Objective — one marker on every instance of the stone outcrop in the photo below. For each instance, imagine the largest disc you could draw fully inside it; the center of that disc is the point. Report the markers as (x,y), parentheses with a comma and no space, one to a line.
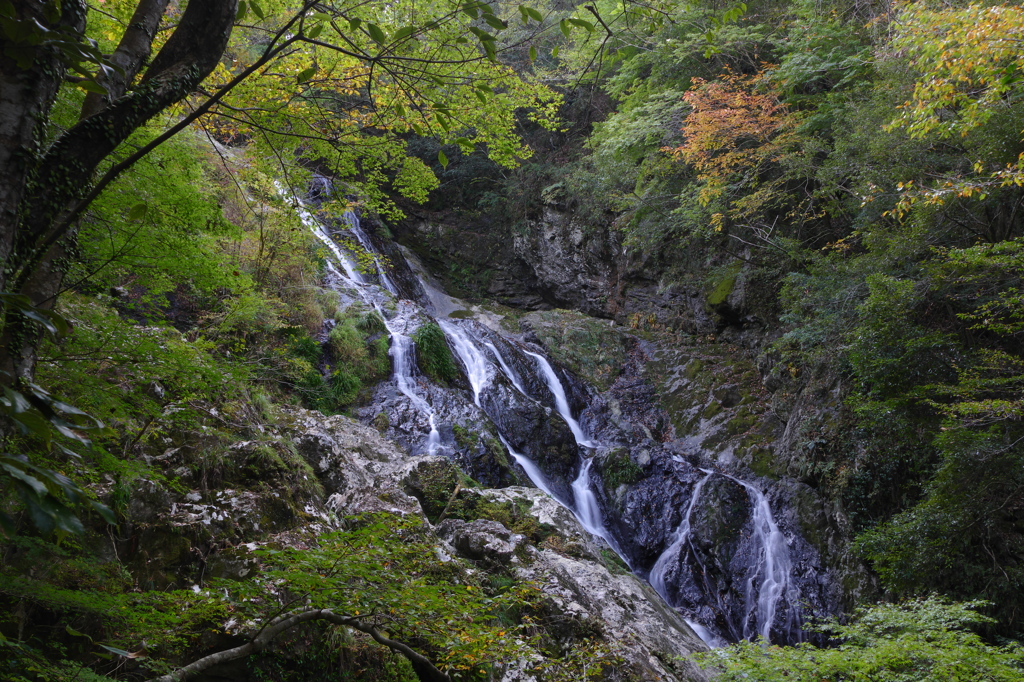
(350,468)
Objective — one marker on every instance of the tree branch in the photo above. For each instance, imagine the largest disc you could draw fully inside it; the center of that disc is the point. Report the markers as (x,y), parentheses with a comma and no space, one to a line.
(135,46)
(424,669)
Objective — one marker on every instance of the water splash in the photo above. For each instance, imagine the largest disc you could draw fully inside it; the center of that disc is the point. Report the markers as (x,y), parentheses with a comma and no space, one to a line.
(587,509)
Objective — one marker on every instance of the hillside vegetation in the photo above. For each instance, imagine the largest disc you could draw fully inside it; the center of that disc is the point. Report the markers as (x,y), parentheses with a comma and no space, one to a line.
(858,167)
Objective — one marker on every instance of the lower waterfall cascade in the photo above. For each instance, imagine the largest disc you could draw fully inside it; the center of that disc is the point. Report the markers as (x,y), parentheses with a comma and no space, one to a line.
(748,590)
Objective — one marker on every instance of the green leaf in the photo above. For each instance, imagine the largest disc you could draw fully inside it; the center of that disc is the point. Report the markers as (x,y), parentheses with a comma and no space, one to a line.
(315,30)
(564,25)
(400,110)
(480,96)
(240,14)
(75,633)
(416,128)
(534,14)
(256,9)
(483,35)
(104,511)
(554,51)
(533,53)
(306,74)
(138,212)
(524,14)
(465,144)
(376,33)
(494,22)
(29,480)
(90,85)
(582,23)
(404,32)
(355,23)
(470,8)
(489,50)
(442,159)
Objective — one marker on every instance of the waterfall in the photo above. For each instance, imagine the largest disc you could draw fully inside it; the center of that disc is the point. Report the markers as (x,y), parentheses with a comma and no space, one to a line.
(472,359)
(774,567)
(767,591)
(509,372)
(402,348)
(587,510)
(561,402)
(401,352)
(536,475)
(357,230)
(679,539)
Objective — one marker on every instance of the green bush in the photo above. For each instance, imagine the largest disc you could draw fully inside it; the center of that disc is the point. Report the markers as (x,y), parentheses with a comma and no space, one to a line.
(927,640)
(433,355)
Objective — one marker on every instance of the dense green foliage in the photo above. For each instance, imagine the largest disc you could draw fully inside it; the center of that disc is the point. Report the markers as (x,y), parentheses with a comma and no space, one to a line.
(433,355)
(928,640)
(860,164)
(381,573)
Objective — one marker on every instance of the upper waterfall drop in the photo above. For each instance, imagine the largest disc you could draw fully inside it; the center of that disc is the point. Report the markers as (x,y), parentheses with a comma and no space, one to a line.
(472,359)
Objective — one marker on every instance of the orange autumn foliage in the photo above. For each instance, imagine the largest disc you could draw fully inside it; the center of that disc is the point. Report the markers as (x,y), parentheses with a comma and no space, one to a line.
(736,136)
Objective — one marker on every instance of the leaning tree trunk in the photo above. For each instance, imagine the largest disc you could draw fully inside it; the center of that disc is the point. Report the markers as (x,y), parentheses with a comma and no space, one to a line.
(41,236)
(29,79)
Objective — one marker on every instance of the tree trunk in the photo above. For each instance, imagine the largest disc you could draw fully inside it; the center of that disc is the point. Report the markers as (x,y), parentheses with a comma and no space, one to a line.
(41,237)
(28,87)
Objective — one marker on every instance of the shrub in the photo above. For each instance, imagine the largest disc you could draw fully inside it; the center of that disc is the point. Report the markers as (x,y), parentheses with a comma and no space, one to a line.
(433,355)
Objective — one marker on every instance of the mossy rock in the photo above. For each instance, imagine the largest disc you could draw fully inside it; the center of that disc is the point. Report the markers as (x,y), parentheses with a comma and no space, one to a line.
(589,347)
(723,284)
(432,482)
(617,469)
(433,355)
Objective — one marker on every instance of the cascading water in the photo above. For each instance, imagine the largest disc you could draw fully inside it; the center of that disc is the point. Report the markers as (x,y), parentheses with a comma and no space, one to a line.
(401,352)
(356,228)
(774,570)
(509,372)
(561,402)
(679,540)
(768,584)
(472,359)
(401,348)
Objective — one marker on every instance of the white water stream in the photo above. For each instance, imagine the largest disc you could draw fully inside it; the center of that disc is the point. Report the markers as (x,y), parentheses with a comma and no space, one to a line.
(401,348)
(472,359)
(767,584)
(561,402)
(774,569)
(678,544)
